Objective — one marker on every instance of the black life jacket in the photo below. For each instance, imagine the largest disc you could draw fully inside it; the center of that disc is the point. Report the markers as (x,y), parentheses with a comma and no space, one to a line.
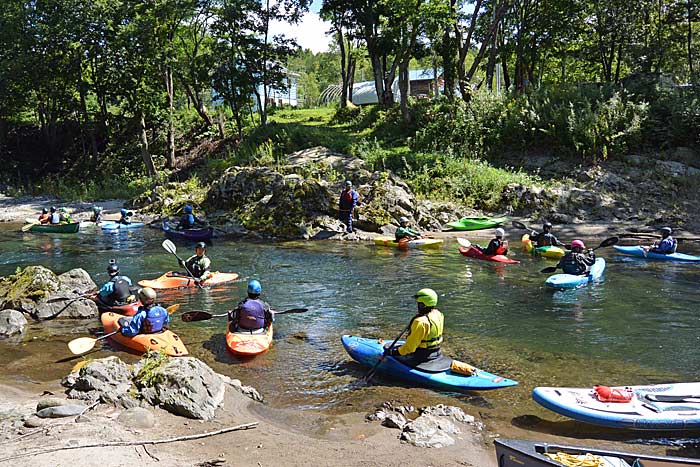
(120,290)
(572,263)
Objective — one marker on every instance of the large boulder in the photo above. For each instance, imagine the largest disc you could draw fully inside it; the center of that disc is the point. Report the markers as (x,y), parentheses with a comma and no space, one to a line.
(106,379)
(11,322)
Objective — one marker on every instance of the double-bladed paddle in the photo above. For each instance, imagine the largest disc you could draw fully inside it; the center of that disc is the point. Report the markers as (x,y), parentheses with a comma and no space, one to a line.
(521,226)
(203,315)
(371,372)
(464,242)
(607,242)
(171,248)
(83,344)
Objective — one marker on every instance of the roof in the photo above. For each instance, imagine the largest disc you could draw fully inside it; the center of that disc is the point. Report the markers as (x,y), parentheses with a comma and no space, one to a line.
(364,92)
(420,75)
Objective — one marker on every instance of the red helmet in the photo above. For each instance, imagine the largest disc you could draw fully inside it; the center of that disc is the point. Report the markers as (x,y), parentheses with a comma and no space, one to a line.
(578,243)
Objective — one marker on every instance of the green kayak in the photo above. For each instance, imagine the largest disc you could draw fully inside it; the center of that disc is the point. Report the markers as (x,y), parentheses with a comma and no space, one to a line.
(477,223)
(56,228)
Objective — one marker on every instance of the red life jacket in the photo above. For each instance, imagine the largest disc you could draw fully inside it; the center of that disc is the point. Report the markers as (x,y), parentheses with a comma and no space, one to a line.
(503,249)
(608,394)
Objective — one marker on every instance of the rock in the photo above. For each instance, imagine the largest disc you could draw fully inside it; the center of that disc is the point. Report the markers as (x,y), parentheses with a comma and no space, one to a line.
(106,379)
(137,417)
(454,413)
(28,286)
(34,422)
(248,391)
(377,415)
(394,420)
(429,431)
(677,169)
(61,411)
(49,402)
(77,280)
(11,322)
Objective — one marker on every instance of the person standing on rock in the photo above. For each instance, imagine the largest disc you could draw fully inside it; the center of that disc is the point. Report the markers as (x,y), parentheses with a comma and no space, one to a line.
(150,318)
(546,237)
(198,265)
(347,203)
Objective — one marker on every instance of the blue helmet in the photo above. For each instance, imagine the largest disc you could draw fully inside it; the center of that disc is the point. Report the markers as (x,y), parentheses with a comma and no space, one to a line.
(254,287)
(188,209)
(124,212)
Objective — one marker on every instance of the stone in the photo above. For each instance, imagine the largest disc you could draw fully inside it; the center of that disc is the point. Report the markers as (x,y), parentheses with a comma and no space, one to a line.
(61,411)
(137,417)
(12,322)
(247,391)
(106,379)
(677,169)
(394,420)
(77,281)
(28,286)
(429,431)
(34,422)
(454,413)
(50,402)
(377,415)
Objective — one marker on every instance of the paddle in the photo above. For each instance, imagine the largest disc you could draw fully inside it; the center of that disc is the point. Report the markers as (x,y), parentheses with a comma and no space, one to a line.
(371,372)
(25,228)
(203,315)
(83,344)
(464,242)
(607,242)
(520,225)
(171,248)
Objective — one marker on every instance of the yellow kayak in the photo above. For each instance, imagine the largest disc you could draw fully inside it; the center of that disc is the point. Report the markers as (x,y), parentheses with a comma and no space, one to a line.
(417,243)
(552,252)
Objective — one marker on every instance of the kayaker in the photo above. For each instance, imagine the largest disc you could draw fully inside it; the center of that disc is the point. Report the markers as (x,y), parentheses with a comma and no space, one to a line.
(125,218)
(96,215)
(425,335)
(54,217)
(117,290)
(252,314)
(189,220)
(577,262)
(150,319)
(44,217)
(64,216)
(404,233)
(346,204)
(545,238)
(497,246)
(198,264)
(666,246)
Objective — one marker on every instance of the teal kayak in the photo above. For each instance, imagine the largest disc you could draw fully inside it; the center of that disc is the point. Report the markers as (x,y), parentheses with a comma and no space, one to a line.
(477,223)
(118,226)
(570,281)
(638,251)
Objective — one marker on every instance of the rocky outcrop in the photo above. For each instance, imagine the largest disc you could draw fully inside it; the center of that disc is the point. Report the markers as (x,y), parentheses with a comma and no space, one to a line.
(41,294)
(11,322)
(106,380)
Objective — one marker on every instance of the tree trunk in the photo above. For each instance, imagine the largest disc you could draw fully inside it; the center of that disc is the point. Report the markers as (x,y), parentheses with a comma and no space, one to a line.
(690,38)
(220,123)
(145,153)
(343,70)
(170,143)
(196,99)
(448,65)
(404,89)
(351,74)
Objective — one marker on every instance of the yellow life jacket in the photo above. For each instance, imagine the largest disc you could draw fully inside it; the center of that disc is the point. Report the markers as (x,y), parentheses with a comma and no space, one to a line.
(436,320)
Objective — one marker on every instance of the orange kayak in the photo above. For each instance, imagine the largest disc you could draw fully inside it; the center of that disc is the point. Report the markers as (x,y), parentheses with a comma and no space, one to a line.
(245,343)
(173,280)
(166,340)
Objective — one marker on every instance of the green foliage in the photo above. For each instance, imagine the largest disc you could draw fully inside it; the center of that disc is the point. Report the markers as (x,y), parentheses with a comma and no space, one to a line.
(150,373)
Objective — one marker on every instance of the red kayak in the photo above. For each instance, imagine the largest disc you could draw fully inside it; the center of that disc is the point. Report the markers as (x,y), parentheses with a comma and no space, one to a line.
(474,252)
(129,309)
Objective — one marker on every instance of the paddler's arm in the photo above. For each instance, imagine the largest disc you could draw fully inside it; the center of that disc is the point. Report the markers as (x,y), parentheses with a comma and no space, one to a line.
(134,326)
(419,329)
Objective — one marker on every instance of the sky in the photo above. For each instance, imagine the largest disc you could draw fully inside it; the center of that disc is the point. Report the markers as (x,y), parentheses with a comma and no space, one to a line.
(310,33)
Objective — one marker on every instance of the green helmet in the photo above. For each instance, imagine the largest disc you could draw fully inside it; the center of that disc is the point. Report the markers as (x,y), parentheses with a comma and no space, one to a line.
(427,297)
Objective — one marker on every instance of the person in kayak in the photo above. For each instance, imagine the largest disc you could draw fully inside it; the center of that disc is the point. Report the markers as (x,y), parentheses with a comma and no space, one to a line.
(150,319)
(198,264)
(577,262)
(188,219)
(346,204)
(425,335)
(497,246)
(666,246)
(125,218)
(54,217)
(252,314)
(546,237)
(96,215)
(64,216)
(44,217)
(117,290)
(405,233)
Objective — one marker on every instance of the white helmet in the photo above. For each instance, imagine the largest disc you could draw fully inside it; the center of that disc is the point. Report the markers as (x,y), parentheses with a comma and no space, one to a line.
(403,220)
(500,232)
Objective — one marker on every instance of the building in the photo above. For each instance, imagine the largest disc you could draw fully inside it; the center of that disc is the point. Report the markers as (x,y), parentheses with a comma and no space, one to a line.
(421,83)
(282,97)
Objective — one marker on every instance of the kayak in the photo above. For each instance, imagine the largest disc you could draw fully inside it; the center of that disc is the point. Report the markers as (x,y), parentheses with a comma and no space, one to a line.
(673,406)
(521,453)
(552,252)
(173,280)
(417,243)
(639,252)
(477,223)
(92,225)
(118,226)
(73,227)
(473,252)
(195,235)
(129,309)
(570,281)
(167,341)
(247,344)
(369,351)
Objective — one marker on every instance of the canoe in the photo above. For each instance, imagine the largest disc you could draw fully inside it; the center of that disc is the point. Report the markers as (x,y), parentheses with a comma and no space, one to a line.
(118,226)
(173,280)
(477,223)
(166,340)
(570,281)
(417,243)
(638,251)
(368,352)
(129,309)
(56,228)
(194,235)
(521,453)
(552,252)
(247,344)
(655,407)
(473,252)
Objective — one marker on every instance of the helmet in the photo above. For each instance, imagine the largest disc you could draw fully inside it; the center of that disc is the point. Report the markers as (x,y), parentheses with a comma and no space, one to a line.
(113,269)
(63,209)
(348,183)
(201,245)
(403,220)
(53,208)
(578,243)
(500,232)
(666,230)
(427,297)
(188,209)
(95,208)
(547,225)
(147,295)
(254,287)
(44,211)
(123,212)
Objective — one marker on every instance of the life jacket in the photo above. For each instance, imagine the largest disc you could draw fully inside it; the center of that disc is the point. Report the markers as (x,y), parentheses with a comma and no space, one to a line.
(502,248)
(187,221)
(155,320)
(434,338)
(346,199)
(120,290)
(571,264)
(197,266)
(608,394)
(545,239)
(251,314)
(44,218)
(55,218)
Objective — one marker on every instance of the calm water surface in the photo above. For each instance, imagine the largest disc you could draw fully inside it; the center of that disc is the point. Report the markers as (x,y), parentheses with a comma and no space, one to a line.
(638,326)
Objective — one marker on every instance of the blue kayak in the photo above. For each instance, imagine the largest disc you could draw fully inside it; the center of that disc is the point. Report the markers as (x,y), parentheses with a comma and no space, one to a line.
(368,351)
(118,226)
(570,281)
(639,252)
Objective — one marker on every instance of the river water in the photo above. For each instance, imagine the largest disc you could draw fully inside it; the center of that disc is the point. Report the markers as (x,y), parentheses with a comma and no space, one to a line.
(638,326)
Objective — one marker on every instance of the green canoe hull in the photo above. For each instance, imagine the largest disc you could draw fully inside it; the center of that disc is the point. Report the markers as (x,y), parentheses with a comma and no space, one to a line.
(56,228)
(477,223)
